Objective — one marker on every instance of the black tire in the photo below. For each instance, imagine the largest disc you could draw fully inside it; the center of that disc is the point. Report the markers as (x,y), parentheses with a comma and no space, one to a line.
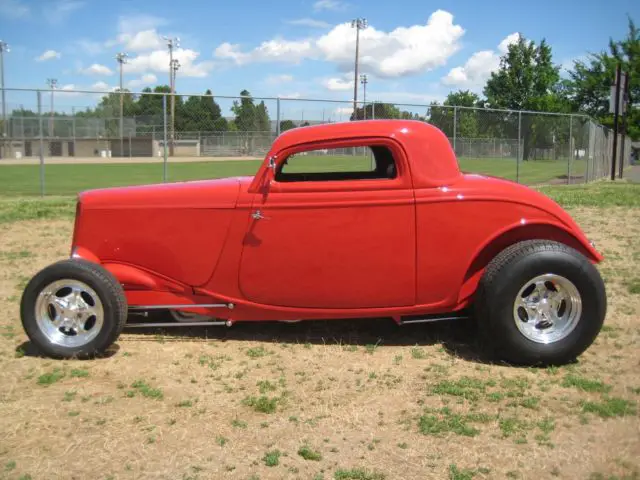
(507,273)
(104,284)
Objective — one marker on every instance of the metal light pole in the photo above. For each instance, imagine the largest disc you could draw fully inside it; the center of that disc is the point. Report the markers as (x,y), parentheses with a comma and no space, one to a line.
(358,24)
(171,44)
(364,81)
(121,58)
(4,47)
(52,82)
(175,65)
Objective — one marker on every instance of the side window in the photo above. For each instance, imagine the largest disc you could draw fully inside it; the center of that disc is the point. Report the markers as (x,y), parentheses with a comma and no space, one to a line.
(351,163)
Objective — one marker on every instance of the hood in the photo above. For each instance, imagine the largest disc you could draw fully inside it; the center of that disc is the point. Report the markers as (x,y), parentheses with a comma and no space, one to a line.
(218,193)
(174,230)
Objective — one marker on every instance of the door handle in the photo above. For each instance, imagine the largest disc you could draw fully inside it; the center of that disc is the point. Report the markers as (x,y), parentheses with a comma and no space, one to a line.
(257,215)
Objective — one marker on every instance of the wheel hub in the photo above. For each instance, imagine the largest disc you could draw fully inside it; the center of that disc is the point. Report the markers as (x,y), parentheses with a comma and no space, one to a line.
(69,313)
(547,308)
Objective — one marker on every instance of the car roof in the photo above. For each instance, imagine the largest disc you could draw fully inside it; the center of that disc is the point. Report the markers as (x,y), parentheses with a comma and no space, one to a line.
(432,160)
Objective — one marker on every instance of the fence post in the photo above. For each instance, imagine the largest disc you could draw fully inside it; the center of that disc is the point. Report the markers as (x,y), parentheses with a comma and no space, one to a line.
(519,147)
(570,149)
(41,144)
(73,128)
(455,126)
(130,145)
(278,117)
(373,110)
(164,144)
(589,153)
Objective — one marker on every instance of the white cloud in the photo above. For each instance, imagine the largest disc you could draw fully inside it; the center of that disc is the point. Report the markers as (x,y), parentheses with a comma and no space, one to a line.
(141,41)
(158,61)
(48,55)
(329,5)
(97,69)
(277,50)
(339,84)
(101,86)
(477,69)
(343,111)
(290,95)
(14,9)
(68,90)
(403,51)
(58,11)
(146,79)
(276,79)
(308,22)
(139,33)
(508,40)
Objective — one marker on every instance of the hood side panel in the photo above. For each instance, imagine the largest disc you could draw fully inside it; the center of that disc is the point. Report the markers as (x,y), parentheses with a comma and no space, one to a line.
(176,230)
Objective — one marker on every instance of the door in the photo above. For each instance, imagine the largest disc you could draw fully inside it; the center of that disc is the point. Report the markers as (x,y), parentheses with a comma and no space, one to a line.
(336,229)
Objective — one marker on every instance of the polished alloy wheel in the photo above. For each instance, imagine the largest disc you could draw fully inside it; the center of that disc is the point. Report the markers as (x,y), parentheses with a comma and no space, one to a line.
(69,313)
(547,308)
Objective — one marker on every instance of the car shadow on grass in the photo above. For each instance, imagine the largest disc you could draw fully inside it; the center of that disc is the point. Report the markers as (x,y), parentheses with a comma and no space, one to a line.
(28,349)
(457,337)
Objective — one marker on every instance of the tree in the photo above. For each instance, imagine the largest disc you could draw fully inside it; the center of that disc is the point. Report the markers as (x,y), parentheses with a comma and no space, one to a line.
(245,112)
(588,86)
(381,110)
(263,123)
(526,80)
(286,125)
(466,120)
(213,114)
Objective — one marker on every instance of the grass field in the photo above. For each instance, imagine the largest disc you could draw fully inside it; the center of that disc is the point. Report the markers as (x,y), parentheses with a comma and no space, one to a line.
(68,179)
(353,400)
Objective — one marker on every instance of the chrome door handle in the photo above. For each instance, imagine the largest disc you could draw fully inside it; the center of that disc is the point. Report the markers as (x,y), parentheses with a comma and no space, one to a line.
(257,215)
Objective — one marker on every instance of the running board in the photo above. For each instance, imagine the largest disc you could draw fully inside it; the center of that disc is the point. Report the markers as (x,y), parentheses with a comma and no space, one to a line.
(230,306)
(177,324)
(430,319)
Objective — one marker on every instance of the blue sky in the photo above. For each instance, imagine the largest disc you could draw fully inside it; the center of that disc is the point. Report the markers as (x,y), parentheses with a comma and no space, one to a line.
(413,51)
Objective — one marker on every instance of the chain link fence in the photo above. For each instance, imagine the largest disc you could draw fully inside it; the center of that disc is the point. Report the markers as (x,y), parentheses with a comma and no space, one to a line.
(63,141)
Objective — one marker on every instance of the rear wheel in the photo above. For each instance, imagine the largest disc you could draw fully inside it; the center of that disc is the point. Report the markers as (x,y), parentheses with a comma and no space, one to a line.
(540,302)
(73,308)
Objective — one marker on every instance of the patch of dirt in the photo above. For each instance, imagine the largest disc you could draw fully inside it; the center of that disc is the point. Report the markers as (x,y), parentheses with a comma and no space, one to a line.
(411,402)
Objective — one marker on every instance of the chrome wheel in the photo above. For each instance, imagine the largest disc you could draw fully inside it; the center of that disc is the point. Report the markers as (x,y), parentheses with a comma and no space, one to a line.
(547,308)
(69,313)
(180,316)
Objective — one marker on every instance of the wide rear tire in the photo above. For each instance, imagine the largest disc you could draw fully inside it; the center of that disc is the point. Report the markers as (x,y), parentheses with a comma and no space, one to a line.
(73,308)
(540,303)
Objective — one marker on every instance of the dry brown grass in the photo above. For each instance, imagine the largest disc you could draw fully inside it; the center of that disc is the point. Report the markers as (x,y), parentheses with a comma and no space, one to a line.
(357,393)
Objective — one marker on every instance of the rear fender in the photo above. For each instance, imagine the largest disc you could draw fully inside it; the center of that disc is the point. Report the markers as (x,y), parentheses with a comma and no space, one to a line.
(516,233)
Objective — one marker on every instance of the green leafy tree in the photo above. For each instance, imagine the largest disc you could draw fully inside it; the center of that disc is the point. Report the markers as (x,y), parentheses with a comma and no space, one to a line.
(245,113)
(589,83)
(286,125)
(263,123)
(466,120)
(526,80)
(381,110)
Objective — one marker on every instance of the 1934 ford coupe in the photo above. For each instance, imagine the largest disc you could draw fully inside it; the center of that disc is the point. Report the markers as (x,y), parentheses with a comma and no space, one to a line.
(363,219)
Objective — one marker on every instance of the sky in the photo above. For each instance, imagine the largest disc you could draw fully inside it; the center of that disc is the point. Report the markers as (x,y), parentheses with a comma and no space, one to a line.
(412,51)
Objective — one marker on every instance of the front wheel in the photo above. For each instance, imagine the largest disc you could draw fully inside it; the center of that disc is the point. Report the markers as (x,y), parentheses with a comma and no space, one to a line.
(73,308)
(540,303)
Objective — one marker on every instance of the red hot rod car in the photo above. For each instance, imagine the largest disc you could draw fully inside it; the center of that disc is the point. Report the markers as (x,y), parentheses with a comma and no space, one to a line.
(360,219)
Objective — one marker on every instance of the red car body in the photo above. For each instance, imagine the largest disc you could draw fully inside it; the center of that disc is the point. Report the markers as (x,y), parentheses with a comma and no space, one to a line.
(259,249)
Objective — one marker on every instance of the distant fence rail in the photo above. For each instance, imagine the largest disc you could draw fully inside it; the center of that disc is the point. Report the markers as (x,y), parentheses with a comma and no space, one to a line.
(62,126)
